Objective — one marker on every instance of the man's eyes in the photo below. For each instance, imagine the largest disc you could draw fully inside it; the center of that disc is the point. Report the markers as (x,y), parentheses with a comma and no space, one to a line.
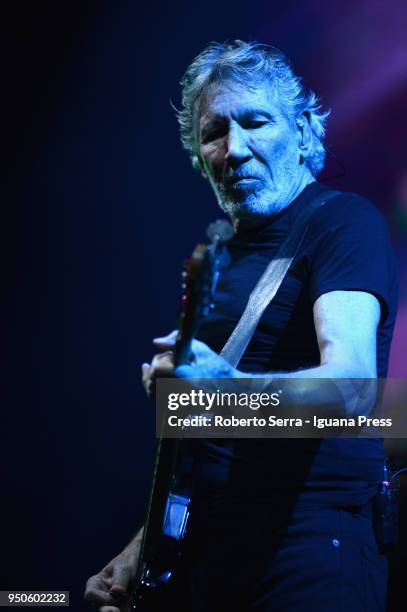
(253,124)
(247,124)
(212,135)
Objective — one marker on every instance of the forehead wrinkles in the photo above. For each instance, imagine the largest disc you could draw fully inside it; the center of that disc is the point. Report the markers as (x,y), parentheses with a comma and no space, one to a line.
(241,92)
(229,93)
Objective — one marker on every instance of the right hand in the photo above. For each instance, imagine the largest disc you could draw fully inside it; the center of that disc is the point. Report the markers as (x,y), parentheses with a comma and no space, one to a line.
(111,589)
(162,363)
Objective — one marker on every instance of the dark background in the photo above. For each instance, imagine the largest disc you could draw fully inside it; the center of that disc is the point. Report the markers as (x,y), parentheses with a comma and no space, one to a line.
(100,208)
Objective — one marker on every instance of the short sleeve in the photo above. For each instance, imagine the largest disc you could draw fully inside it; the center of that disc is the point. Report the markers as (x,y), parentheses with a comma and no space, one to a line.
(352,251)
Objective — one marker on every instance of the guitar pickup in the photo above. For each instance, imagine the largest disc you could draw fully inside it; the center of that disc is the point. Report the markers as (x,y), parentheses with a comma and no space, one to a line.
(176,516)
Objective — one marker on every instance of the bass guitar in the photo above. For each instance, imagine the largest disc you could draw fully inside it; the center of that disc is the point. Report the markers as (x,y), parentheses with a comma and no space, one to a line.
(170,498)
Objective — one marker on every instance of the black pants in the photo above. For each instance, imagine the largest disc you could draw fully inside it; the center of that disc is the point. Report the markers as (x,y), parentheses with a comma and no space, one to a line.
(323,560)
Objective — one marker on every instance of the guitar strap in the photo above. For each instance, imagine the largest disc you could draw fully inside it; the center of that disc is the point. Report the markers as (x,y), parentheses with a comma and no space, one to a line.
(270,281)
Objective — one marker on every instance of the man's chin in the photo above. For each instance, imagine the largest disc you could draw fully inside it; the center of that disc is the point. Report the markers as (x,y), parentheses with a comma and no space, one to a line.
(247,208)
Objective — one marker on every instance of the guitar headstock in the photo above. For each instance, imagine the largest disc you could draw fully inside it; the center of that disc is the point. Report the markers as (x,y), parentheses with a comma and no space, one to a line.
(199,279)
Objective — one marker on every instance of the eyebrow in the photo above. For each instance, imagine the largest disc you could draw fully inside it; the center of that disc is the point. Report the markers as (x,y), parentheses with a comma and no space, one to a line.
(256,111)
(244,115)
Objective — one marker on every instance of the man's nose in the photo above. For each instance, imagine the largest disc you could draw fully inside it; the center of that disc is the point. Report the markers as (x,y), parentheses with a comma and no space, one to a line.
(237,146)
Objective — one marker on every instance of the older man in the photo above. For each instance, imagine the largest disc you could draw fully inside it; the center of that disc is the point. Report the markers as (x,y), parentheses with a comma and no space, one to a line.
(278,524)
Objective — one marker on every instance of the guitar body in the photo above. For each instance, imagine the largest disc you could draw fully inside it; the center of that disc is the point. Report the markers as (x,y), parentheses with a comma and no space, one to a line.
(169,506)
(167,524)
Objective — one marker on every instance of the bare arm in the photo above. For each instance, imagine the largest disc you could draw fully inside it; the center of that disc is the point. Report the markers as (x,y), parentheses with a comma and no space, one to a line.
(346,325)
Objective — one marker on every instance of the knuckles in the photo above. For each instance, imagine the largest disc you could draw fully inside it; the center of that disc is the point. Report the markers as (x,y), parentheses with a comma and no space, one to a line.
(162,361)
(162,364)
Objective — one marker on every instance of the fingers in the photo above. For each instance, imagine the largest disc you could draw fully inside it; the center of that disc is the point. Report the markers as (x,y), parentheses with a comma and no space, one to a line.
(161,365)
(145,372)
(147,379)
(205,363)
(201,350)
(122,576)
(166,341)
(97,592)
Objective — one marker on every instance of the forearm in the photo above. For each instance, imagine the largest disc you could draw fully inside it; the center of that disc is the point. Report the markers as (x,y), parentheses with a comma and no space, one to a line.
(331,388)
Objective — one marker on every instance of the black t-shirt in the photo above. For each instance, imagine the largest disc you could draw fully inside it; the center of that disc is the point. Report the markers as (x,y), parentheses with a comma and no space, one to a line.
(346,247)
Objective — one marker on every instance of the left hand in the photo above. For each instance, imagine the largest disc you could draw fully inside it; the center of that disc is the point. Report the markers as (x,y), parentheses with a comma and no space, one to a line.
(205,362)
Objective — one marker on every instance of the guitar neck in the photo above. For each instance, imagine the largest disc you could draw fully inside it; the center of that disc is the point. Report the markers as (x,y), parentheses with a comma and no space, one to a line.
(199,281)
(183,350)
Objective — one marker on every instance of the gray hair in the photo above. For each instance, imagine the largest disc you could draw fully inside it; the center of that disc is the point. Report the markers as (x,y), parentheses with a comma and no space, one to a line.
(248,63)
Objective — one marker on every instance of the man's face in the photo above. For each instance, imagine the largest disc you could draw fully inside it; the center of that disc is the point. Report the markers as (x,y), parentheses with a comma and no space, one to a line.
(248,149)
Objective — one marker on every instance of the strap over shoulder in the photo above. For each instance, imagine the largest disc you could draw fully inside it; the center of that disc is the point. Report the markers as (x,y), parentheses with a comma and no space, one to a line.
(271,279)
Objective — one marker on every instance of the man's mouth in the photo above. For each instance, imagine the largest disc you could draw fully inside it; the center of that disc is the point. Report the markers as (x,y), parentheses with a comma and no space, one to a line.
(239,180)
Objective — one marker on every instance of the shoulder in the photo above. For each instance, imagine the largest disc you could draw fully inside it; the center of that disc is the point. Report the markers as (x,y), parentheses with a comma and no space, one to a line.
(347,210)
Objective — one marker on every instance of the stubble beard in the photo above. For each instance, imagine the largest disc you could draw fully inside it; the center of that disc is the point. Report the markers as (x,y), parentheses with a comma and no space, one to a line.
(257,202)
(249,205)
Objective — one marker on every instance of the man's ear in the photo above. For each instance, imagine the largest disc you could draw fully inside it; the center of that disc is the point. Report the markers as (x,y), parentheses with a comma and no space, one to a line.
(305,134)
(198,165)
